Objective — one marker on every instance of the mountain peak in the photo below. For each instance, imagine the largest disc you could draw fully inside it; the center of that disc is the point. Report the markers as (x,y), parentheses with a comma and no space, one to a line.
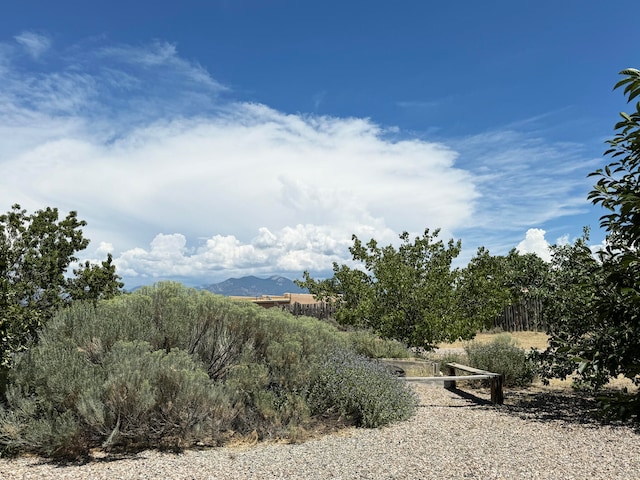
(252,286)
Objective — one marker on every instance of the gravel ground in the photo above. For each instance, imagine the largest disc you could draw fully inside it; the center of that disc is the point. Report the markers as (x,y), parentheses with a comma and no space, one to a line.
(535,435)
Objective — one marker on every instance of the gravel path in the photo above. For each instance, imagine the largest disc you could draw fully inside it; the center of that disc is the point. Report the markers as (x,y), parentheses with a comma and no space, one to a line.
(451,437)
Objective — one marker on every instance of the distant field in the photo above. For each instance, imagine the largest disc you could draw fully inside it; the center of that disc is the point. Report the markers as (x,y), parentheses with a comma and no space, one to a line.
(526,340)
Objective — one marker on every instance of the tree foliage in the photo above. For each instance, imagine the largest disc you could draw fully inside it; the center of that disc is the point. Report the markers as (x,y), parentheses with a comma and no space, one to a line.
(575,278)
(617,350)
(94,281)
(596,328)
(618,187)
(489,283)
(482,287)
(36,250)
(407,293)
(413,294)
(525,276)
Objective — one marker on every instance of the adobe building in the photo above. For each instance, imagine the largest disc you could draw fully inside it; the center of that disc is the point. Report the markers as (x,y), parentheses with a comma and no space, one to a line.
(268,301)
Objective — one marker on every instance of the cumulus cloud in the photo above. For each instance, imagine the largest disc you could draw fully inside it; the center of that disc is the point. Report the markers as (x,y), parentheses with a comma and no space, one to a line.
(535,242)
(290,250)
(177,182)
(241,187)
(104,248)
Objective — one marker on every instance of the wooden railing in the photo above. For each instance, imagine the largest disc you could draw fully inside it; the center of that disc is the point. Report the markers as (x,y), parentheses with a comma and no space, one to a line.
(496,380)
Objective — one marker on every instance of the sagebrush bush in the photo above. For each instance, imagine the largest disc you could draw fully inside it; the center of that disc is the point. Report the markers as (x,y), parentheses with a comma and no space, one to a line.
(449,357)
(365,391)
(371,345)
(168,367)
(133,398)
(502,355)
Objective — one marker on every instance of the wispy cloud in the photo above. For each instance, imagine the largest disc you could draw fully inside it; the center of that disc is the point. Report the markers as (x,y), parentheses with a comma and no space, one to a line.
(525,180)
(419,104)
(161,55)
(34,44)
(318,99)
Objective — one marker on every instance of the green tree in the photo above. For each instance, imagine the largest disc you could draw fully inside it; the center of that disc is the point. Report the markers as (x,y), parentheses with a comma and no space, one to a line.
(602,337)
(489,283)
(570,311)
(525,275)
(95,281)
(36,251)
(618,187)
(406,293)
(482,289)
(617,350)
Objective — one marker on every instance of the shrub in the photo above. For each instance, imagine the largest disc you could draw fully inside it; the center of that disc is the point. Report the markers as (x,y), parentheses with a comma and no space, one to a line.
(449,357)
(351,385)
(370,345)
(134,398)
(155,398)
(168,367)
(502,355)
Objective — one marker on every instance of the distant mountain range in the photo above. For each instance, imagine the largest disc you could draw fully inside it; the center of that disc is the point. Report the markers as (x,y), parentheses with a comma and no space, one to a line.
(255,287)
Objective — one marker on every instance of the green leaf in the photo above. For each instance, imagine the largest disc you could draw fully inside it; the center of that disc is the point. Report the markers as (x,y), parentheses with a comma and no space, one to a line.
(582,366)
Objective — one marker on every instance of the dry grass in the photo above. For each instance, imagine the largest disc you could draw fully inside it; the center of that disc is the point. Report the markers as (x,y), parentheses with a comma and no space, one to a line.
(615,384)
(526,340)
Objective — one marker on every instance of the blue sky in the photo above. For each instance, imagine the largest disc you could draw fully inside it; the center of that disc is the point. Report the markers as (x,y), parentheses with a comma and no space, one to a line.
(208,139)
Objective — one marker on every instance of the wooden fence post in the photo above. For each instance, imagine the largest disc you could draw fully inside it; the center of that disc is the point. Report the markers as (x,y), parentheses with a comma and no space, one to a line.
(497,395)
(450,384)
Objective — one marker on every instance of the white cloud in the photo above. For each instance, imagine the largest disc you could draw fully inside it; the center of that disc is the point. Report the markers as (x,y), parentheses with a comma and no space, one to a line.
(526,181)
(34,43)
(292,249)
(222,173)
(164,55)
(176,182)
(265,238)
(104,248)
(535,242)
